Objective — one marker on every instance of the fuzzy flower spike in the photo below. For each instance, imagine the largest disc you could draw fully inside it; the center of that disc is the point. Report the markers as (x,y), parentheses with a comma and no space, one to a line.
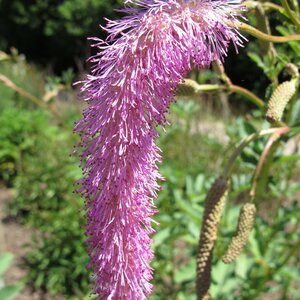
(129,90)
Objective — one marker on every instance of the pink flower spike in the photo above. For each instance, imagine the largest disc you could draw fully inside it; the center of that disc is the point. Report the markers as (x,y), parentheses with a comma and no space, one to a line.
(131,85)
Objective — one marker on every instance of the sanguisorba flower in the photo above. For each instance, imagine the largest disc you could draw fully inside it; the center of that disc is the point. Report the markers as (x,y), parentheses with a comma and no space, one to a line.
(131,84)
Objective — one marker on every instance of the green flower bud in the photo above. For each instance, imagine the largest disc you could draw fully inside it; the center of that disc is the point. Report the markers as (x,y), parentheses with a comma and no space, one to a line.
(292,70)
(279,99)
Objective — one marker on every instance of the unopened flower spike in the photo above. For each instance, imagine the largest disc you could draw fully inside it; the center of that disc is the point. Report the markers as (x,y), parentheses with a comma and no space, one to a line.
(214,205)
(279,100)
(129,89)
(244,227)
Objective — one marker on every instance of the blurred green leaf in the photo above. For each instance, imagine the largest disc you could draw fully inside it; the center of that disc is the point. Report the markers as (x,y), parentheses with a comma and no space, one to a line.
(186,273)
(10,292)
(5,261)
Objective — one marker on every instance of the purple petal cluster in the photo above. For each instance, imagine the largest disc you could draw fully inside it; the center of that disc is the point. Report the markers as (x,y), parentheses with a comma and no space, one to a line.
(131,84)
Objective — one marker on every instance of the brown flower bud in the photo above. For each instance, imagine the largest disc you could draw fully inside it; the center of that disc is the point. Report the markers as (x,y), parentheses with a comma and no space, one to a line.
(244,227)
(214,204)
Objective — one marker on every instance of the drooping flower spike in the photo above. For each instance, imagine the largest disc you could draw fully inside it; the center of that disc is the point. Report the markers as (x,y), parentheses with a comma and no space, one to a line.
(131,85)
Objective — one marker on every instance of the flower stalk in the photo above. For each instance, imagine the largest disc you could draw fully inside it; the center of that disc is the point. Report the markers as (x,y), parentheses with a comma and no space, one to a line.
(266,5)
(265,37)
(290,13)
(229,166)
(248,94)
(258,172)
(190,87)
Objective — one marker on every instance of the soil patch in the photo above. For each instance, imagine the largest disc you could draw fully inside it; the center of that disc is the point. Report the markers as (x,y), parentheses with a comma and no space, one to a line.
(13,238)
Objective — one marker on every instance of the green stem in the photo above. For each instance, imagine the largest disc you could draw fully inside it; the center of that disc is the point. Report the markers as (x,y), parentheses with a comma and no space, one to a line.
(197,88)
(275,136)
(219,69)
(296,6)
(263,36)
(229,166)
(272,6)
(262,24)
(266,5)
(290,13)
(249,95)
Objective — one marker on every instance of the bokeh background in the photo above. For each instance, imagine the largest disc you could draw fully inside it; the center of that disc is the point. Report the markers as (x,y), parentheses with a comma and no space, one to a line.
(44,48)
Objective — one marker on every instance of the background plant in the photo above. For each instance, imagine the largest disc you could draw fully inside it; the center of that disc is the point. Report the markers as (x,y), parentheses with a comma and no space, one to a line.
(8,292)
(58,27)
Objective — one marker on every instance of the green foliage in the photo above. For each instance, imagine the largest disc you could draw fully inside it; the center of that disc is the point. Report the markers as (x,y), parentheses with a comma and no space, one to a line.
(257,272)
(59,28)
(20,132)
(176,241)
(8,292)
(73,17)
(57,258)
(37,187)
(23,75)
(42,175)
(267,267)
(185,136)
(35,161)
